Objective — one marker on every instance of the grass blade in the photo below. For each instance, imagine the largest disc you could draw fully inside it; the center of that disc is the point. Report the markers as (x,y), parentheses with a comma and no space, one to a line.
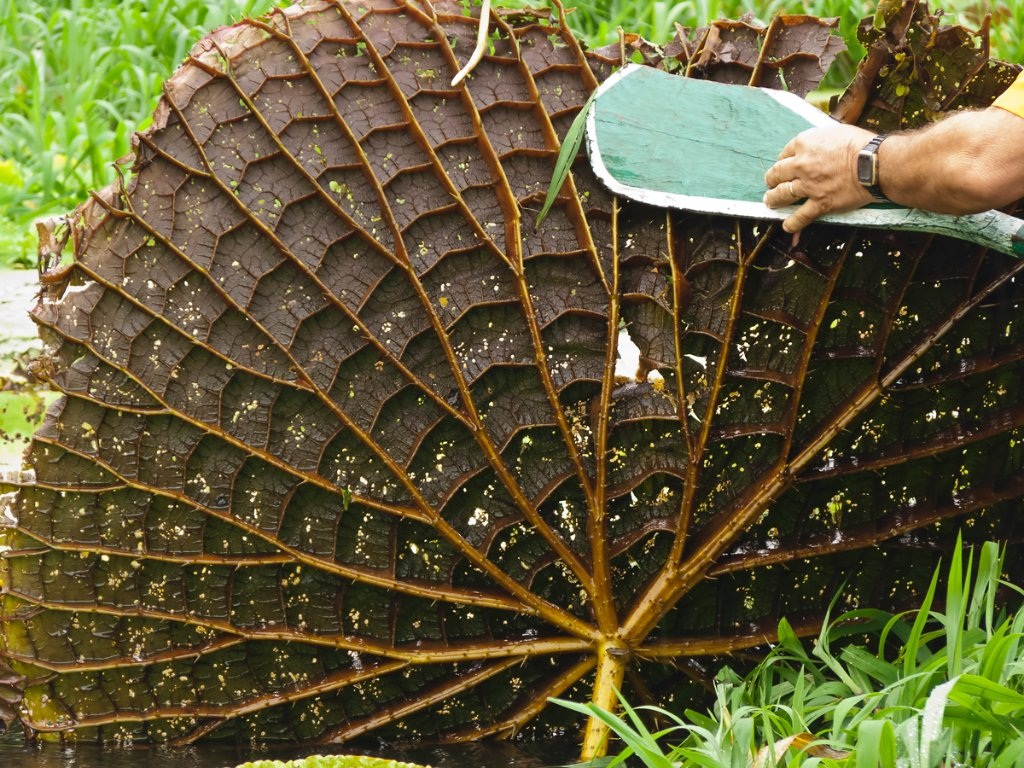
(956,608)
(913,644)
(642,744)
(566,154)
(876,744)
(933,745)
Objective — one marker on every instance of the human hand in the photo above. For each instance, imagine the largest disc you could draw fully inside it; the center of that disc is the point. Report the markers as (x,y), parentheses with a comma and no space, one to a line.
(818,166)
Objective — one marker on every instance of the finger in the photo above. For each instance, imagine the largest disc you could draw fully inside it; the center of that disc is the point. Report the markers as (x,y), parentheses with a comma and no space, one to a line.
(803,216)
(786,193)
(777,198)
(789,150)
(778,173)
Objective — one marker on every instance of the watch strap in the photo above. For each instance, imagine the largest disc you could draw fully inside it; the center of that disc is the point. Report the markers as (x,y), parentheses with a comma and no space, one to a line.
(869,156)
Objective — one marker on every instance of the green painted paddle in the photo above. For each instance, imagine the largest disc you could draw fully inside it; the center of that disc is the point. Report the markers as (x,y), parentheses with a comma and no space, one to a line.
(704,146)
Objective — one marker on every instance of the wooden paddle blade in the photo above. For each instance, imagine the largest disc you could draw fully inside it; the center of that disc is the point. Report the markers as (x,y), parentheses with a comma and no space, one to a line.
(693,144)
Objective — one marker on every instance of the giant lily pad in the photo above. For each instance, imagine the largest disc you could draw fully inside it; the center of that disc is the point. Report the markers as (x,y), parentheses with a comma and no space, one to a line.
(341,449)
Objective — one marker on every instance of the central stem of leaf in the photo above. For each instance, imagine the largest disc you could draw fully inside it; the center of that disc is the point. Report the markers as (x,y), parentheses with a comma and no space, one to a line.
(612,655)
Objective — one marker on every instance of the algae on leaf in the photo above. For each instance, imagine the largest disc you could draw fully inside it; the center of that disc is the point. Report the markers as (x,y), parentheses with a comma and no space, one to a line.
(331,761)
(340,449)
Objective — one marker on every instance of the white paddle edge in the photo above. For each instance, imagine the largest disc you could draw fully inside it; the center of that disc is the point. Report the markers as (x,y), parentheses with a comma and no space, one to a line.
(991,229)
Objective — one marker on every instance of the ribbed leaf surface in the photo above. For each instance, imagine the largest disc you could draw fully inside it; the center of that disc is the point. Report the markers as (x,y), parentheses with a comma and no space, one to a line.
(342,450)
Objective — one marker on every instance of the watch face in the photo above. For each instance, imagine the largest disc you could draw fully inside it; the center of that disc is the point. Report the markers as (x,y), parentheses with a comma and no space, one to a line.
(866,168)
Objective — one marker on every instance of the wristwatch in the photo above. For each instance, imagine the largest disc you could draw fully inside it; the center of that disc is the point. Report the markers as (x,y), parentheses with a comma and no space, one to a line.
(867,167)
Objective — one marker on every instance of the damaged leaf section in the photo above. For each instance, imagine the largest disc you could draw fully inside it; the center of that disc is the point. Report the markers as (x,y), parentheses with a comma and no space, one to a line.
(341,450)
(11,692)
(917,69)
(793,52)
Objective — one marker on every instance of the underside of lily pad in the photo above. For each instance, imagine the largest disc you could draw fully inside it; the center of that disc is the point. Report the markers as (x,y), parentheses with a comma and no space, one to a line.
(342,451)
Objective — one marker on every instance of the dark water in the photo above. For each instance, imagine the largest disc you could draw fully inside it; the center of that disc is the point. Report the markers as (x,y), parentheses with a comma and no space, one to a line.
(15,754)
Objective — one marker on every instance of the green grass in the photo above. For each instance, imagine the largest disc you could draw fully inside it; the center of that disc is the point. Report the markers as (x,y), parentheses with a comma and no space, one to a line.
(20,415)
(16,242)
(928,688)
(77,77)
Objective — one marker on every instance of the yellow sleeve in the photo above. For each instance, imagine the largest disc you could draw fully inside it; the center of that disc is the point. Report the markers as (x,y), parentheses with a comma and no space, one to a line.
(1012,99)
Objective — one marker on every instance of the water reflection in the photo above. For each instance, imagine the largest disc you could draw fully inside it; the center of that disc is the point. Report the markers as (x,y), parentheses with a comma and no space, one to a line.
(15,754)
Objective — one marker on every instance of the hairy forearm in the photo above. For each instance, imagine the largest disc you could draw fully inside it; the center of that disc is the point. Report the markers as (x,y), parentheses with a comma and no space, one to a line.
(967,163)
(964,164)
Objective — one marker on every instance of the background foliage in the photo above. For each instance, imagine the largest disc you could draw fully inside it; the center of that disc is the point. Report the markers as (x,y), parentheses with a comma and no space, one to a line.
(76,78)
